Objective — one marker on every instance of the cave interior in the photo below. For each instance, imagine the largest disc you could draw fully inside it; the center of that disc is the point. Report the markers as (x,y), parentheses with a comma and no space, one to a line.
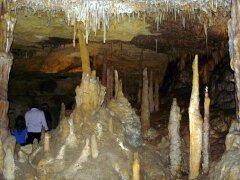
(136,89)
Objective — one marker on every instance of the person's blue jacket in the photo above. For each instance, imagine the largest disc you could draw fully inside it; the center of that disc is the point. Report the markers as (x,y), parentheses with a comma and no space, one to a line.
(20,135)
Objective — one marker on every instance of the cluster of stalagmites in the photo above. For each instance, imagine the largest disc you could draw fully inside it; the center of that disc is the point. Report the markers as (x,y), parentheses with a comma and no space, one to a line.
(93,142)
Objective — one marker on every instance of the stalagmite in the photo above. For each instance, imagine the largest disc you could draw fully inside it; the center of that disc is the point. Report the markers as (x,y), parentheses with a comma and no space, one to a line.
(84,54)
(195,125)
(150,93)
(94,147)
(234,49)
(145,115)
(205,165)
(116,82)
(22,157)
(156,95)
(120,91)
(175,140)
(8,163)
(71,140)
(90,94)
(136,167)
(46,143)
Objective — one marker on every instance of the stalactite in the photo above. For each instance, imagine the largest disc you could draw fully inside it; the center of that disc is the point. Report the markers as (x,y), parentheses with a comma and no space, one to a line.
(234,49)
(145,114)
(156,94)
(136,167)
(195,125)
(175,140)
(150,93)
(84,54)
(205,165)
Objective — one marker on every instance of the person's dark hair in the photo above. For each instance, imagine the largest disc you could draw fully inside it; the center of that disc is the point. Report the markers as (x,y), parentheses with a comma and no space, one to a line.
(34,105)
(44,107)
(20,123)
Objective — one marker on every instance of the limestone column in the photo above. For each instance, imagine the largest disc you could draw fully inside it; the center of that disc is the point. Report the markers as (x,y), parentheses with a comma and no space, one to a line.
(234,49)
(205,165)
(150,92)
(195,125)
(145,114)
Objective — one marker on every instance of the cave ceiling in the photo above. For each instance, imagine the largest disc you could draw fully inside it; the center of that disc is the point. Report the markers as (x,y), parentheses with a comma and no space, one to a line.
(178,27)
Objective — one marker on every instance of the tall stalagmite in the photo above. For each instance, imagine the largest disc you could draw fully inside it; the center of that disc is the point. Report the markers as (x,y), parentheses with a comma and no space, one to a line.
(205,164)
(145,114)
(234,49)
(175,140)
(195,125)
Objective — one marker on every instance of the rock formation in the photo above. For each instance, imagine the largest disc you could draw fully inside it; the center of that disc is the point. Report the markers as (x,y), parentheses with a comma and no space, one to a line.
(175,140)
(229,165)
(195,125)
(205,164)
(234,49)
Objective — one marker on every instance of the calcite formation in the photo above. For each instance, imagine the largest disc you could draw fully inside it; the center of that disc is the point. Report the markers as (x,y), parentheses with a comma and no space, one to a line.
(195,125)
(175,140)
